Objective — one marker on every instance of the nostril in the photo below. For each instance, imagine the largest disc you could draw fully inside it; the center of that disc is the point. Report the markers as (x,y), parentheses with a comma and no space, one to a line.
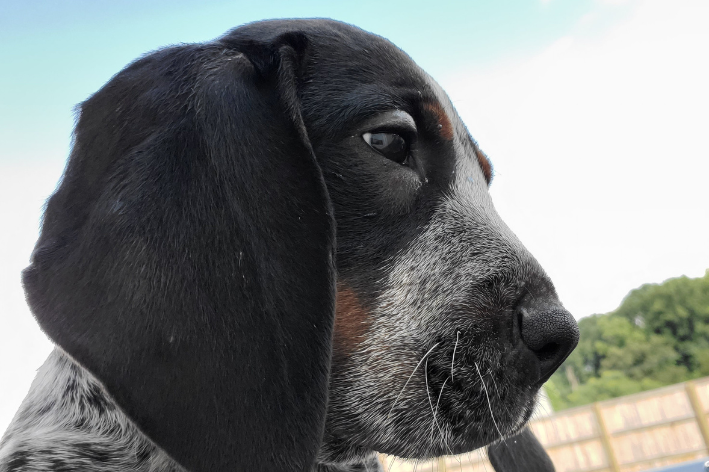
(550,332)
(549,351)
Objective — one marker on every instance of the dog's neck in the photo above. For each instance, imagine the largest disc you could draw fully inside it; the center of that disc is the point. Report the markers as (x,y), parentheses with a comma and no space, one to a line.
(67,417)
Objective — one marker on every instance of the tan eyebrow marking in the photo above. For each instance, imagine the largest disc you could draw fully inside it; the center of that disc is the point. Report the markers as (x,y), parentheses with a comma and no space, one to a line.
(445,128)
(484,163)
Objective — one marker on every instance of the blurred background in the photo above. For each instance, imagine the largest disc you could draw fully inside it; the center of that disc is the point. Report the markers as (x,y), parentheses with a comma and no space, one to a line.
(595,114)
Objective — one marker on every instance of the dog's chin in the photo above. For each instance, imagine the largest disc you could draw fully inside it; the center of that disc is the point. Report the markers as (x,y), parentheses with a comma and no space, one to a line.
(463,421)
(460,397)
(467,421)
(476,428)
(483,405)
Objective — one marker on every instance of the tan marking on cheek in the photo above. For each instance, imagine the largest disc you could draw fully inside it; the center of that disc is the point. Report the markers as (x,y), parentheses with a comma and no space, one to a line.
(484,164)
(351,322)
(445,128)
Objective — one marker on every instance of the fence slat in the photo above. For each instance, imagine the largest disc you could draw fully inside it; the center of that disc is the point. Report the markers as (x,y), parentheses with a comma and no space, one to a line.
(606,439)
(698,411)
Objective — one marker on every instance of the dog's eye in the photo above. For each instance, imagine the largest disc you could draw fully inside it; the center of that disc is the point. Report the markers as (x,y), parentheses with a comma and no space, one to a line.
(390,145)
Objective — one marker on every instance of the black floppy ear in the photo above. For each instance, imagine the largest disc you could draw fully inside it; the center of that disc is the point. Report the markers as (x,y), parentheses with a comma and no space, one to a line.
(520,453)
(186,259)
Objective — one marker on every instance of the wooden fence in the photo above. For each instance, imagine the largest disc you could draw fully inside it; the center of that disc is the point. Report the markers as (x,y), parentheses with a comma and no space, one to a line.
(627,434)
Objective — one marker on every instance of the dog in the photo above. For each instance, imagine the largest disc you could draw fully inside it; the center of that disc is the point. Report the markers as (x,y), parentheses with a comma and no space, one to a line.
(276,251)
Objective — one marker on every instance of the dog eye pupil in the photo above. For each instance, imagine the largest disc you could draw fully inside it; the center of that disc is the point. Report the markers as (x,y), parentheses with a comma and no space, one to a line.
(390,145)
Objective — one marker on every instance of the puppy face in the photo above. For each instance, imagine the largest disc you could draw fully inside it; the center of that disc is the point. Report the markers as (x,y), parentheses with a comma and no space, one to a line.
(186,259)
(446,326)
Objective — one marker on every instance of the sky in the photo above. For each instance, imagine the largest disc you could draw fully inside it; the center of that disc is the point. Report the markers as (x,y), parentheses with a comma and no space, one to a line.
(595,114)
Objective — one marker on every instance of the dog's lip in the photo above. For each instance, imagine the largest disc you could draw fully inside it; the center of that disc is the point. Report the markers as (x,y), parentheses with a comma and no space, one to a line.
(473,379)
(453,368)
(513,389)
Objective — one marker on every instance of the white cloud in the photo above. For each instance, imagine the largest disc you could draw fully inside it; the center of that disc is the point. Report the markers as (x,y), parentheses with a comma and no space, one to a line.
(600,146)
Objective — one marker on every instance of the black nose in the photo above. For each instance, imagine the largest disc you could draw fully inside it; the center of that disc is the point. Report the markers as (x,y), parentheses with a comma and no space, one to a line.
(550,332)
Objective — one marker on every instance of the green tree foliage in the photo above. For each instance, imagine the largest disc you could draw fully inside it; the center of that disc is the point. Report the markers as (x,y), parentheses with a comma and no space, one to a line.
(658,336)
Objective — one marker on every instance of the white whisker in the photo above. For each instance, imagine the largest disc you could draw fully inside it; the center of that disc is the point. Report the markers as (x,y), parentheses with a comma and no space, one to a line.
(489,405)
(435,412)
(409,379)
(457,334)
(428,394)
(440,394)
(494,383)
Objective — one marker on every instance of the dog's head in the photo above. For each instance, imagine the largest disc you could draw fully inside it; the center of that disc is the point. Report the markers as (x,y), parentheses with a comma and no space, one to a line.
(280,245)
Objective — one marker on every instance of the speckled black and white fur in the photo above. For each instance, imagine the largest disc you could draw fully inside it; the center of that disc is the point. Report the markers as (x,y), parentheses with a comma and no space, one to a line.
(67,422)
(238,277)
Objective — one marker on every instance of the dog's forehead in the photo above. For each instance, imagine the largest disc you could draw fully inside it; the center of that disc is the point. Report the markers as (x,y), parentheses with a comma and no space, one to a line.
(356,74)
(349,83)
(352,75)
(365,66)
